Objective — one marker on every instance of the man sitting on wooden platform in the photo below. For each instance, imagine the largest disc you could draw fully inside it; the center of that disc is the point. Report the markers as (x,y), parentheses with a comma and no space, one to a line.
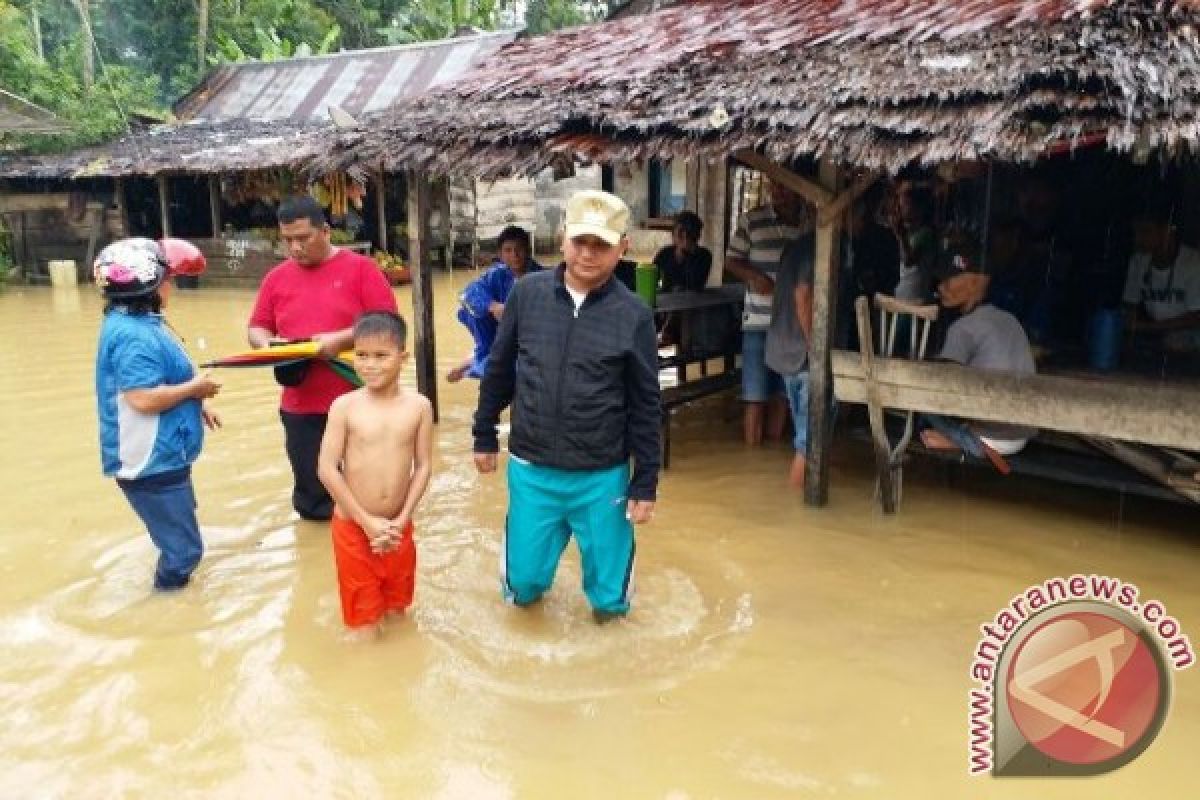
(984,337)
(1162,288)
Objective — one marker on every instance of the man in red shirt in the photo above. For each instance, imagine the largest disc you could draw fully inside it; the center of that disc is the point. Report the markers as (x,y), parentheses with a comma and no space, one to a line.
(316,294)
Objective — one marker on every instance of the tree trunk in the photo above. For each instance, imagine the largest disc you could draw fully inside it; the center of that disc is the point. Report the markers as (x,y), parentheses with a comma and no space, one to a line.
(35,22)
(89,51)
(201,34)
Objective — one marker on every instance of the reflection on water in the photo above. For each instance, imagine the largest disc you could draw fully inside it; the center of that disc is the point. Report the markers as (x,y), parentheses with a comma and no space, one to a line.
(774,651)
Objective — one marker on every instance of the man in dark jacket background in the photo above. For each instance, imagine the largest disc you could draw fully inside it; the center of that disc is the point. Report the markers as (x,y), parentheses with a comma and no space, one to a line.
(576,355)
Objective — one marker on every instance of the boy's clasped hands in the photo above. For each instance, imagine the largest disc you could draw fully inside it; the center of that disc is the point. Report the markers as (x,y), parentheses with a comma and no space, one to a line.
(384,534)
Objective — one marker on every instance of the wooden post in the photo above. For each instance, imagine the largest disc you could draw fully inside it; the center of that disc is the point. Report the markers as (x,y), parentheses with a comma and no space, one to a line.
(820,387)
(122,205)
(713,209)
(448,227)
(97,228)
(381,208)
(164,205)
(422,286)
(214,204)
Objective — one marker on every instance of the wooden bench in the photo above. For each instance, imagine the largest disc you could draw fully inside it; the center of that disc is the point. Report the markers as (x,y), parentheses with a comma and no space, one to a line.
(1151,413)
(675,396)
(1145,424)
(1064,459)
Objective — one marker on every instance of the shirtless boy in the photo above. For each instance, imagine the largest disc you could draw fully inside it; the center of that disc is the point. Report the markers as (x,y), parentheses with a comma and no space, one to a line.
(376,459)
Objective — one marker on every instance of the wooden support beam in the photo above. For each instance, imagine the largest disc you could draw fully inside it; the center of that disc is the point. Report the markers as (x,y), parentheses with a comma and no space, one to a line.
(96,229)
(810,190)
(713,208)
(164,205)
(1147,462)
(20,203)
(447,227)
(820,385)
(1146,412)
(422,286)
(839,204)
(214,204)
(381,208)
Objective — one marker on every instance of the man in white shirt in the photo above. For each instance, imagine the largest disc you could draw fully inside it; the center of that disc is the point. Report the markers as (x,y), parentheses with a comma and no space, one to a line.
(1162,289)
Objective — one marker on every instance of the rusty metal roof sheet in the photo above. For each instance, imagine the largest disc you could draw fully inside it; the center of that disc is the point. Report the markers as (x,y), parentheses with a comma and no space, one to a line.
(358,81)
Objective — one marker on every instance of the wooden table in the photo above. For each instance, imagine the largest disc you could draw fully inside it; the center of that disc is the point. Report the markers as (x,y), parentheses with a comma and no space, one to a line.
(687,305)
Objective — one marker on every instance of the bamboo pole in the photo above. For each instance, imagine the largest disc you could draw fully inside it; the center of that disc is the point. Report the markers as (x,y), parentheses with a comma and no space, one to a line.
(422,286)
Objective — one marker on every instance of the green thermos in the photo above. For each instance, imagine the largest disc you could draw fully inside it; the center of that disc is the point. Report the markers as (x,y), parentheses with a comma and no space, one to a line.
(647,283)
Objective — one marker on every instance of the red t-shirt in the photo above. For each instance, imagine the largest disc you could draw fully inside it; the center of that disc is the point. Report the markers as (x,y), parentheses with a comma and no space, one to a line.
(296,302)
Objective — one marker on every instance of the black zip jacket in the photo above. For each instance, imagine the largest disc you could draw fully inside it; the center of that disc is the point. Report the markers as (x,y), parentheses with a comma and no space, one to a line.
(583,384)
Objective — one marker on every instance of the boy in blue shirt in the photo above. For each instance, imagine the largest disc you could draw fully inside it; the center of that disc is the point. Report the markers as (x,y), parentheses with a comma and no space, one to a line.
(484,298)
(150,405)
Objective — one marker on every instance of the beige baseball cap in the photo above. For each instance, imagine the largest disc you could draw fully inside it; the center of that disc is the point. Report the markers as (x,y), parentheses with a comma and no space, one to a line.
(595,213)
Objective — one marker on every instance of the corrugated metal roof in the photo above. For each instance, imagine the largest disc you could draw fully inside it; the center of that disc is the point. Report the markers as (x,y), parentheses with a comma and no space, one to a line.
(18,115)
(303,89)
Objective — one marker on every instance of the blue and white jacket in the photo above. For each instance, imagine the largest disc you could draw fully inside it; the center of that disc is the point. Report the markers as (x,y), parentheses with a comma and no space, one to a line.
(136,351)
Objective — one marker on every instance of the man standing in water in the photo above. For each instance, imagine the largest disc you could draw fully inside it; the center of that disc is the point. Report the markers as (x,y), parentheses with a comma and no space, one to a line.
(576,350)
(317,294)
(753,258)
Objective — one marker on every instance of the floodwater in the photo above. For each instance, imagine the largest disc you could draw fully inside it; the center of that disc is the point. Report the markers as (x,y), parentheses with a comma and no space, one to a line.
(774,650)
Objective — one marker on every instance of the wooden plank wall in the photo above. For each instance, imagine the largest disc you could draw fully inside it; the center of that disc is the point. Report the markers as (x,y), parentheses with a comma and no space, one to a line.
(41,229)
(236,261)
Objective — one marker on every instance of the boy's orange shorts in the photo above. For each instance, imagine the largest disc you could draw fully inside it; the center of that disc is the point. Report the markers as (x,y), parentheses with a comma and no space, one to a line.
(371,584)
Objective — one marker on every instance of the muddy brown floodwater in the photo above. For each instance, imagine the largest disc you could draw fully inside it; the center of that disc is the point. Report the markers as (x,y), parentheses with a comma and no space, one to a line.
(774,650)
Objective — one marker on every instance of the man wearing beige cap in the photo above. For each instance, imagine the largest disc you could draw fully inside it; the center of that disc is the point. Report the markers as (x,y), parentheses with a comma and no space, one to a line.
(576,357)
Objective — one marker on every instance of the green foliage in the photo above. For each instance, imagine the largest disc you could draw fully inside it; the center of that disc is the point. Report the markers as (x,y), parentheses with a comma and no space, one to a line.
(270,46)
(360,20)
(542,16)
(424,20)
(93,114)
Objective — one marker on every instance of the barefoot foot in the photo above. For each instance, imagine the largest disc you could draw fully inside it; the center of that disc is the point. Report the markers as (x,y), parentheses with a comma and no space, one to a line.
(935,440)
(796,472)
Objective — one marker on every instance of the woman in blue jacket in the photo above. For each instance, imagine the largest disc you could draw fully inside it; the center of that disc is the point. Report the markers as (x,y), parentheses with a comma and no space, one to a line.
(149,400)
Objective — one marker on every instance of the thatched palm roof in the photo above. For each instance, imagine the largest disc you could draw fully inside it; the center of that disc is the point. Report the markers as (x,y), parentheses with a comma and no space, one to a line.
(876,83)
(227,146)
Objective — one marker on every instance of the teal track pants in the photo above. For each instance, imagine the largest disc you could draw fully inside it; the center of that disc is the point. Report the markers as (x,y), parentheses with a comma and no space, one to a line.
(545,507)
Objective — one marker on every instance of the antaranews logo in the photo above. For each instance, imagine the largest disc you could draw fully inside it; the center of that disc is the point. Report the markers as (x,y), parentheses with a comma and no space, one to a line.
(1073,678)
